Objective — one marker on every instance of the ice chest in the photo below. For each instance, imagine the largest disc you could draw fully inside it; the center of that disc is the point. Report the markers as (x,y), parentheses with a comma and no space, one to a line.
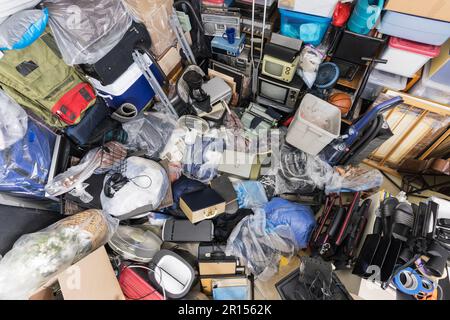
(131,87)
(321,8)
(406,57)
(419,29)
(316,123)
(306,27)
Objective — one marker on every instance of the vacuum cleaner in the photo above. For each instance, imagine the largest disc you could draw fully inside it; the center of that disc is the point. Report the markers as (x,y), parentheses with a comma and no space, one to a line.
(358,141)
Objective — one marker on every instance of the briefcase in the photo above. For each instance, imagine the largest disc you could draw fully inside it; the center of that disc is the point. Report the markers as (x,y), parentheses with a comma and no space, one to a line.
(202,204)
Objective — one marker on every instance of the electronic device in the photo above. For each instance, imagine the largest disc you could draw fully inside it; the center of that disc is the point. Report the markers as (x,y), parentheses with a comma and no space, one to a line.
(184,231)
(215,22)
(221,45)
(246,27)
(280,62)
(202,204)
(243,82)
(278,94)
(218,90)
(241,164)
(241,62)
(257,117)
(213,251)
(245,8)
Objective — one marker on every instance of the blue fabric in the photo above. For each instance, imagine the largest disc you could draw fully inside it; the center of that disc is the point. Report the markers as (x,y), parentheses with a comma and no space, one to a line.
(250,194)
(24,167)
(299,217)
(230,293)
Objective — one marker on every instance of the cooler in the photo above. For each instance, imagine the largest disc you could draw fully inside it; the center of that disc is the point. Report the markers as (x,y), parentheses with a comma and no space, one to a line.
(306,27)
(419,29)
(406,57)
(131,87)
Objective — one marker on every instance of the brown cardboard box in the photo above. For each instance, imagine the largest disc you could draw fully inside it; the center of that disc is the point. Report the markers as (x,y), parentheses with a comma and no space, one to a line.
(92,278)
(433,9)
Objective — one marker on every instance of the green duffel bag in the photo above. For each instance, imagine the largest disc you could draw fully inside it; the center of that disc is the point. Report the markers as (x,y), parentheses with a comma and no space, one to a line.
(38,79)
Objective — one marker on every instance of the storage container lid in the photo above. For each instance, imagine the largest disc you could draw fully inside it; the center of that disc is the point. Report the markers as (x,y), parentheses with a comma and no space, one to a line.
(415,47)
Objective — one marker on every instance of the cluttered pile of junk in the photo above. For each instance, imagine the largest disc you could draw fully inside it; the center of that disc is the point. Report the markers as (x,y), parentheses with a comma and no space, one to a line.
(224,150)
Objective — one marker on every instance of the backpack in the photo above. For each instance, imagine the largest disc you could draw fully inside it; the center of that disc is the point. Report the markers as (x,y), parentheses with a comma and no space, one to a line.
(37,79)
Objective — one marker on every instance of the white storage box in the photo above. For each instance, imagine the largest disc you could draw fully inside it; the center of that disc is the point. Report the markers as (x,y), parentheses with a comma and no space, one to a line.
(440,66)
(316,123)
(406,57)
(321,8)
(428,89)
(381,79)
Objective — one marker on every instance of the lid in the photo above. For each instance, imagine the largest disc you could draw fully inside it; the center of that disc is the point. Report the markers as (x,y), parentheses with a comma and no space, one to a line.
(135,243)
(415,47)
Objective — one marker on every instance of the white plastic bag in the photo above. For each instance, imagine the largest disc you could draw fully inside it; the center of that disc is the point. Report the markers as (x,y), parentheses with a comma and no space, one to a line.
(259,246)
(35,258)
(147,186)
(13,121)
(87,30)
(310,59)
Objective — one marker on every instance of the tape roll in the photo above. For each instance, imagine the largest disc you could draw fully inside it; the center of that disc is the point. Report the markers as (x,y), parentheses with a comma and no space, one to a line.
(410,282)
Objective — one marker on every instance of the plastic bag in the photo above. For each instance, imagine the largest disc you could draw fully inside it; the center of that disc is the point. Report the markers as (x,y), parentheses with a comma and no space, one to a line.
(9,7)
(26,150)
(155,15)
(150,132)
(96,160)
(13,121)
(147,186)
(259,246)
(355,179)
(87,30)
(203,155)
(250,194)
(310,59)
(22,29)
(35,258)
(298,217)
(299,172)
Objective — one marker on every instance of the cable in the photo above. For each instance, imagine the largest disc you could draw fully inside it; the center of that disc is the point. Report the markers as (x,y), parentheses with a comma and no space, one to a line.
(136,266)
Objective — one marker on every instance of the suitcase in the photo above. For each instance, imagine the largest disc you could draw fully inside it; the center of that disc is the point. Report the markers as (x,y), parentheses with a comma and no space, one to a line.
(119,59)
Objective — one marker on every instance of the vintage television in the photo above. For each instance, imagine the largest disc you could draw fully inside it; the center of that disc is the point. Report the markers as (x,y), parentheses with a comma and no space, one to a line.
(279,95)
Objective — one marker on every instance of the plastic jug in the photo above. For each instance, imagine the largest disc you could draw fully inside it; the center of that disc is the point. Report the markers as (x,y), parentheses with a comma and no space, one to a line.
(365,15)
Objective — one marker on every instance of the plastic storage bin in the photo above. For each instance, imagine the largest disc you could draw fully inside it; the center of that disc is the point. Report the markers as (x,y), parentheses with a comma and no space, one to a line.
(316,123)
(428,89)
(321,8)
(433,32)
(365,15)
(440,66)
(380,79)
(309,28)
(406,57)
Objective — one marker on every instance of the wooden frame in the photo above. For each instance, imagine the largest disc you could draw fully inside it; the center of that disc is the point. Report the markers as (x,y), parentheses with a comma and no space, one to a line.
(426,107)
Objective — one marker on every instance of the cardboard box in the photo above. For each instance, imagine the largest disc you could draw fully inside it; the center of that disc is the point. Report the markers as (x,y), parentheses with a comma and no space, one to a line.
(92,278)
(433,9)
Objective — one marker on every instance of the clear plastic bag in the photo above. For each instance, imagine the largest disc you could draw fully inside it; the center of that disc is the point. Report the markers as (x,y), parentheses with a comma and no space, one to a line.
(203,155)
(147,186)
(155,15)
(260,247)
(26,150)
(150,132)
(8,7)
(250,194)
(299,172)
(310,59)
(355,179)
(22,29)
(87,30)
(96,160)
(13,121)
(35,258)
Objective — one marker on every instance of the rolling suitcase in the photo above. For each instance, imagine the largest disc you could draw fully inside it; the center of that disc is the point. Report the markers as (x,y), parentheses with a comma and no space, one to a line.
(119,59)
